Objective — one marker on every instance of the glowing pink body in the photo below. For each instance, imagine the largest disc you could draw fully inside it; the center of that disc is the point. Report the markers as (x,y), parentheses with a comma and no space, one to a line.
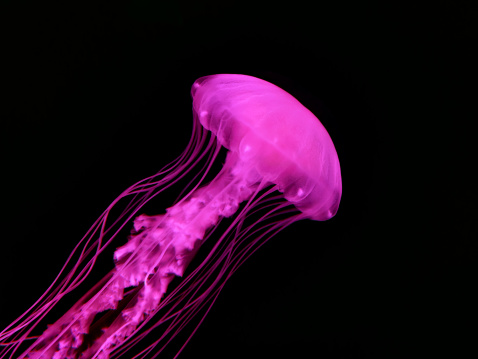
(271,131)
(274,143)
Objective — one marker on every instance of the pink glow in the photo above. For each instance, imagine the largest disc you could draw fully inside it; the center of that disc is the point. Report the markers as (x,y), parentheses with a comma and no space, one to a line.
(281,166)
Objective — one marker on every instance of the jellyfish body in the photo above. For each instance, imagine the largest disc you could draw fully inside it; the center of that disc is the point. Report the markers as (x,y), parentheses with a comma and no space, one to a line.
(281,164)
(271,131)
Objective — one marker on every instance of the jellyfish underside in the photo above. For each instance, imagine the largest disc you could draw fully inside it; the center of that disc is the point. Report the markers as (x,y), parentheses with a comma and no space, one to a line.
(281,163)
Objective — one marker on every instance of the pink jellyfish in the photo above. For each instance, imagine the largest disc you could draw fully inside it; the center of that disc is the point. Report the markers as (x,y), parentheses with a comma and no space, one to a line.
(281,167)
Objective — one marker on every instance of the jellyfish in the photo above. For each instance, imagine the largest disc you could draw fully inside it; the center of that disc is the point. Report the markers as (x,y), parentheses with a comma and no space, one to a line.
(281,167)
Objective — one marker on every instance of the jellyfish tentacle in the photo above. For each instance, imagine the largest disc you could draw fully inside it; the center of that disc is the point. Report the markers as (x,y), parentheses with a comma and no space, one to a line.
(166,244)
(160,248)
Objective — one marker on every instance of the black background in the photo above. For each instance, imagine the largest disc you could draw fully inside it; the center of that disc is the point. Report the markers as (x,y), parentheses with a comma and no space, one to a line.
(97,97)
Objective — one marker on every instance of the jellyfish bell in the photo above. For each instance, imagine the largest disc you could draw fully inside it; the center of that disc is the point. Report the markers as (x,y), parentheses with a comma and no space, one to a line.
(281,163)
(273,132)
